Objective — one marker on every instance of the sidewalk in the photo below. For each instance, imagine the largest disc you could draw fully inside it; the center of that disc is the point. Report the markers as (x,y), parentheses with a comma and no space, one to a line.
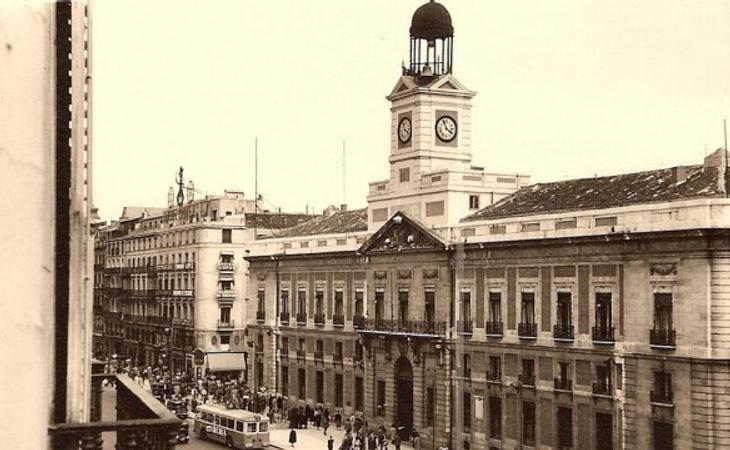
(313,439)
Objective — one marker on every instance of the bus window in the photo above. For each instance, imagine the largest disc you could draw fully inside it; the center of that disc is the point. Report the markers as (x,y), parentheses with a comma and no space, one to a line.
(263,427)
(251,427)
(239,426)
(217,420)
(231,423)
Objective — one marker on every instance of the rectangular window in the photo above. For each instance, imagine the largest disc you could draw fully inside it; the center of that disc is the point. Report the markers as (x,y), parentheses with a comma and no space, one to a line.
(495,306)
(495,369)
(359,302)
(467,365)
(430,305)
(495,417)
(380,398)
(466,306)
(403,305)
(497,229)
(359,393)
(467,410)
(404,175)
(528,307)
(225,315)
(319,349)
(302,301)
(320,386)
(430,406)
(473,202)
(606,221)
(663,435)
(604,431)
(564,312)
(339,295)
(379,304)
(565,224)
(338,355)
(319,301)
(284,345)
(604,320)
(261,297)
(565,427)
(528,423)
(227,236)
(663,312)
(532,226)
(528,372)
(285,302)
(338,390)
(663,392)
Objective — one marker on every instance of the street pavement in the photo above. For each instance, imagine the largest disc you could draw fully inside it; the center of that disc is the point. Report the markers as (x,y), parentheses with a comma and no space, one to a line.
(307,439)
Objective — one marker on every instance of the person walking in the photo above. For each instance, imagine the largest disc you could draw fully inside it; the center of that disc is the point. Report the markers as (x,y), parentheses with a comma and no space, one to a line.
(330,443)
(416,441)
(292,437)
(325,423)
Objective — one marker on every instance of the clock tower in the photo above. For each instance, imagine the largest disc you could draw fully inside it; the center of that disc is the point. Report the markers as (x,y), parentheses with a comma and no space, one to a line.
(431,173)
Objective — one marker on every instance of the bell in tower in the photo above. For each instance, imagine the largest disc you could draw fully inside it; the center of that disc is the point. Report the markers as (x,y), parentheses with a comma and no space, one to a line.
(432,41)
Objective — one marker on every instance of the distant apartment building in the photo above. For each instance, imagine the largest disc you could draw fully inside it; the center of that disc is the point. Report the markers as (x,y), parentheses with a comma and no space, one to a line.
(173,289)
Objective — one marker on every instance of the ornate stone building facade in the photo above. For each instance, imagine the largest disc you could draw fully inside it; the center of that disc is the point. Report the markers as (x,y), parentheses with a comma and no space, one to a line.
(483,313)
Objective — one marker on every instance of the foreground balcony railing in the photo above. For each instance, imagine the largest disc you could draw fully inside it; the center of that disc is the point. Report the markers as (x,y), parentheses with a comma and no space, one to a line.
(226,266)
(301,318)
(563,384)
(142,422)
(225,324)
(663,337)
(602,388)
(284,317)
(410,327)
(260,316)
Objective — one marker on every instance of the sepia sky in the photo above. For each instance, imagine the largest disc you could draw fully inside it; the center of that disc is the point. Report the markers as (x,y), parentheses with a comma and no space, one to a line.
(566,88)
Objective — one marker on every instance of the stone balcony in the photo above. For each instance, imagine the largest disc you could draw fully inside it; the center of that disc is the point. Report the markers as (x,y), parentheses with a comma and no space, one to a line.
(126,418)
(406,328)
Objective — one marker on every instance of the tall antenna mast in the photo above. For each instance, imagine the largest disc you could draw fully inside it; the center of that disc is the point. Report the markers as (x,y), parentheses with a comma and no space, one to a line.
(256,185)
(344,174)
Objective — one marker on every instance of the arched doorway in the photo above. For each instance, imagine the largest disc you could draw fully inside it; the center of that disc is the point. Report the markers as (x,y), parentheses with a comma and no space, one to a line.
(404,396)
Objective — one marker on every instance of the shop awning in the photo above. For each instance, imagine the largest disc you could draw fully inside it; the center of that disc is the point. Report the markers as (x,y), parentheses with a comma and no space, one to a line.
(225,361)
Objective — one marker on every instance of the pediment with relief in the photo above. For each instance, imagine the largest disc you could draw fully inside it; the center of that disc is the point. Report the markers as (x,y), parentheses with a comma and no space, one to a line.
(402,233)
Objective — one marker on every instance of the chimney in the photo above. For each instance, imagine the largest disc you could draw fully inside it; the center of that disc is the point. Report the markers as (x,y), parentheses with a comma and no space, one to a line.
(679,174)
(718,159)
(343,207)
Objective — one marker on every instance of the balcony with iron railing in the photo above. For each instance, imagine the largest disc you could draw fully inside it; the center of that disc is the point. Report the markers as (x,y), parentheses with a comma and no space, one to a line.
(494,376)
(142,422)
(301,319)
(338,320)
(603,335)
(563,332)
(358,321)
(408,328)
(226,324)
(260,316)
(284,317)
(494,329)
(301,354)
(465,327)
(527,379)
(563,384)
(227,294)
(226,266)
(663,338)
(319,319)
(318,355)
(337,358)
(602,387)
(527,330)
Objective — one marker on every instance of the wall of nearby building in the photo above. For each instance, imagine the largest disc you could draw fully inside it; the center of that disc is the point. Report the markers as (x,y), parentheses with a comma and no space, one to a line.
(27,224)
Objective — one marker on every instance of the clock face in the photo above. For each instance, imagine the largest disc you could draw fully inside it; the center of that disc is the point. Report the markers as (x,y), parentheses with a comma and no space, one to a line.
(446,128)
(404,130)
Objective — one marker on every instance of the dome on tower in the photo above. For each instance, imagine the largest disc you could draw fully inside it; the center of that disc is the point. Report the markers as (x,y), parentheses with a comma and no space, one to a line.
(431,21)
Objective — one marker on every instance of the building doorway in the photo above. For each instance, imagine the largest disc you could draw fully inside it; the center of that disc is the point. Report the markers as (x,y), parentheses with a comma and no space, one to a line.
(404,396)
